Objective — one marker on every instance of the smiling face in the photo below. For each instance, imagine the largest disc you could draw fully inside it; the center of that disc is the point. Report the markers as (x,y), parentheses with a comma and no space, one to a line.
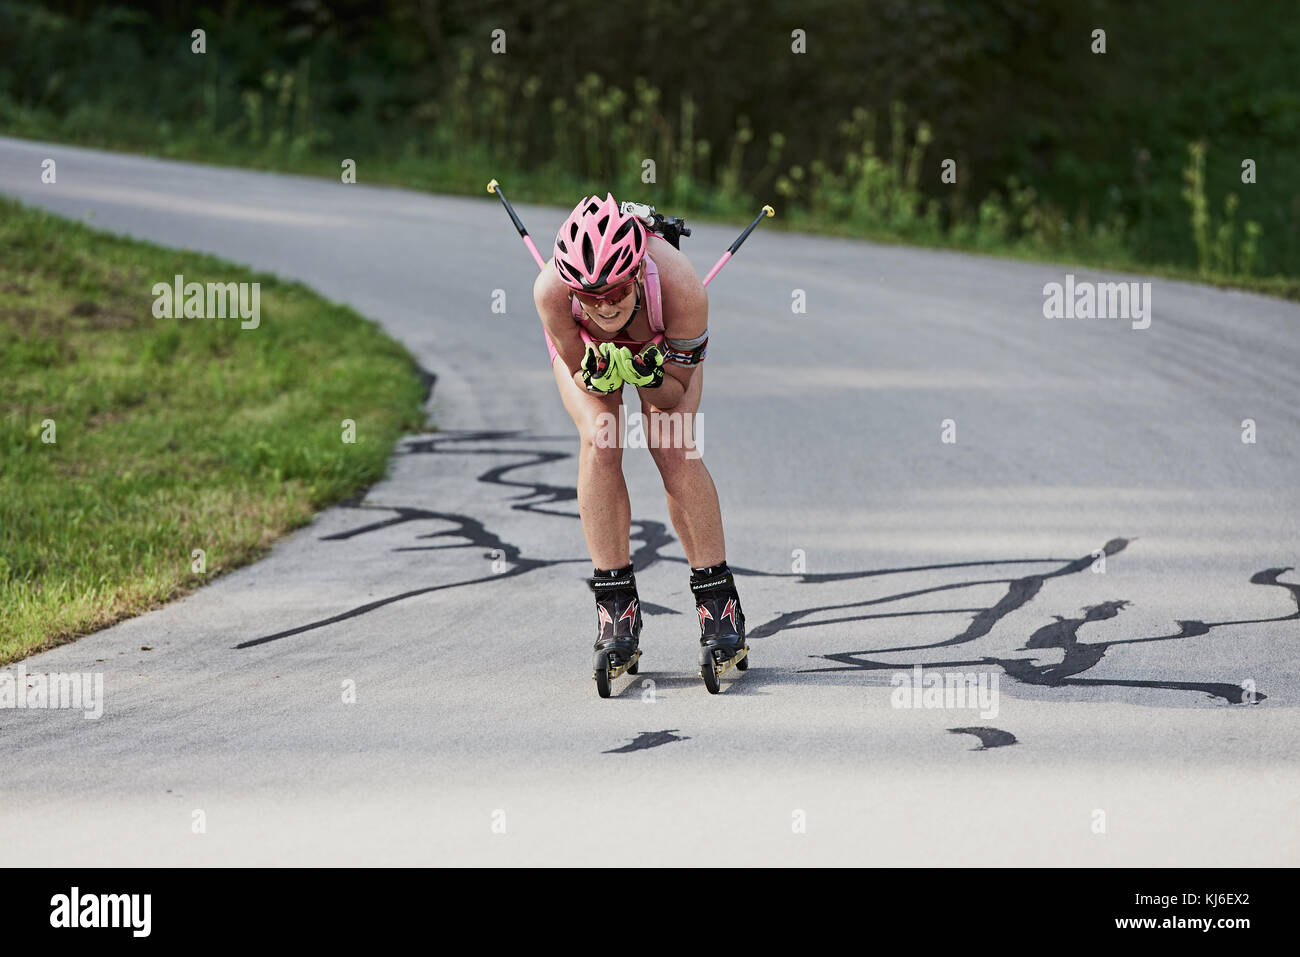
(611,316)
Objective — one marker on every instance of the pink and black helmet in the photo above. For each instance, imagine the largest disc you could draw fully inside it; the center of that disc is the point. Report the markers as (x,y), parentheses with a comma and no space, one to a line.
(598,246)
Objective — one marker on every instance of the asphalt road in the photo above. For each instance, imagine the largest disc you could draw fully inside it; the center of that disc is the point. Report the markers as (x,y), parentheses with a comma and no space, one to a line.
(1146,714)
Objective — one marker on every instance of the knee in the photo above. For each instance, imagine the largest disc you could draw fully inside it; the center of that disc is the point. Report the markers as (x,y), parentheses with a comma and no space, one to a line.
(674,462)
(601,448)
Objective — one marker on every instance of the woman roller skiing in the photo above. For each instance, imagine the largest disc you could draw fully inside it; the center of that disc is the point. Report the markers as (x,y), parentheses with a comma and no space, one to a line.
(624,286)
(621,305)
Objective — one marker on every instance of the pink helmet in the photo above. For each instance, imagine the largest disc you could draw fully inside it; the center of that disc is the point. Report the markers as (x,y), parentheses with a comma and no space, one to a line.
(598,246)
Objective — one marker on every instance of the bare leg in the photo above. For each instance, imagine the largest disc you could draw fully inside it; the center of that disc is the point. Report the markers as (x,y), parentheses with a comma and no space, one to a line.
(602,492)
(692,497)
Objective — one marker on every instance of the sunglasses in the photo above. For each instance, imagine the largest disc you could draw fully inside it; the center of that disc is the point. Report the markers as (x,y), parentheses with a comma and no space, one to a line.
(613,295)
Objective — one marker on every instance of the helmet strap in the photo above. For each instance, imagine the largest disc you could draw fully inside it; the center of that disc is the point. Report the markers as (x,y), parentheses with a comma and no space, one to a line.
(632,314)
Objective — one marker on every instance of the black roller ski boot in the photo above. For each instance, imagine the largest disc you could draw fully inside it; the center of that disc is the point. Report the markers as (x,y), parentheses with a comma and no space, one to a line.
(618,623)
(722,624)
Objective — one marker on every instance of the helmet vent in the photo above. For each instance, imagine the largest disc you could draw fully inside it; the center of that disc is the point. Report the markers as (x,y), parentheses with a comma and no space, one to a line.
(598,245)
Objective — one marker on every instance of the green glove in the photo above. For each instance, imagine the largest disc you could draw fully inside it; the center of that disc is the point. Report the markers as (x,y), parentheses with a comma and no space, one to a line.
(644,369)
(600,369)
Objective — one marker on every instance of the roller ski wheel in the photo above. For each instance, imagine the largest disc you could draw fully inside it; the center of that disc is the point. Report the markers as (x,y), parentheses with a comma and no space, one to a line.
(708,670)
(609,665)
(601,674)
(715,662)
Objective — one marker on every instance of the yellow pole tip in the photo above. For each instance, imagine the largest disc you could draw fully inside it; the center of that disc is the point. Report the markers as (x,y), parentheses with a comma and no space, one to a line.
(492,186)
(770,211)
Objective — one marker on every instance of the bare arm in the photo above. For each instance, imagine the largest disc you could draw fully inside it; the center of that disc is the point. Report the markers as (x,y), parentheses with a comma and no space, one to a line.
(686,315)
(551,297)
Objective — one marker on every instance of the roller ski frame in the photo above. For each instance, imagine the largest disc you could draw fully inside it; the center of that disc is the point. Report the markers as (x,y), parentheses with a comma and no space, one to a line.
(604,673)
(713,665)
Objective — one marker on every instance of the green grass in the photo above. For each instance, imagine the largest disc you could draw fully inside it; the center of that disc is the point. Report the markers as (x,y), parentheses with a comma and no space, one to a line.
(170,434)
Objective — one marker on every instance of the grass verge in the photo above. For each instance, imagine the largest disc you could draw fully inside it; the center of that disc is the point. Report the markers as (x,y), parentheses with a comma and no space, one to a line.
(128,442)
